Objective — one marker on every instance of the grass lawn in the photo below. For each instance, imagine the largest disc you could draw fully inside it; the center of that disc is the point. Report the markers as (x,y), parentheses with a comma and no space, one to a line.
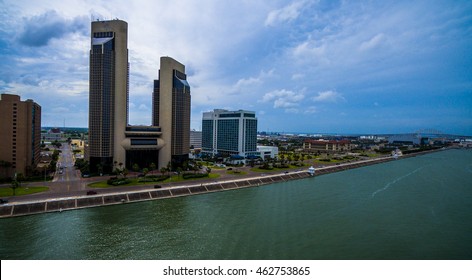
(22,191)
(134,181)
(373,155)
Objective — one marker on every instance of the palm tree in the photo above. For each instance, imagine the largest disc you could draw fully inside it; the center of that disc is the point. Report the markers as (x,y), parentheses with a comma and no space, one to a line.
(100,169)
(152,166)
(163,170)
(14,184)
(124,172)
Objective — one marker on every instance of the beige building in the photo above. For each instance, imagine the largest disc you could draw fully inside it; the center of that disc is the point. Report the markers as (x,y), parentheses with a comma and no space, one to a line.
(108,93)
(111,139)
(327,146)
(171,111)
(20,136)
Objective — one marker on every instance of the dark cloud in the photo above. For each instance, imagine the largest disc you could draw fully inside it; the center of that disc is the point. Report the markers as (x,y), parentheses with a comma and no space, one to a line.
(39,30)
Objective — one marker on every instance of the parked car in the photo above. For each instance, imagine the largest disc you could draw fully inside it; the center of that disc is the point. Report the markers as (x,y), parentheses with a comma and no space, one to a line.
(91,192)
(3,201)
(157,186)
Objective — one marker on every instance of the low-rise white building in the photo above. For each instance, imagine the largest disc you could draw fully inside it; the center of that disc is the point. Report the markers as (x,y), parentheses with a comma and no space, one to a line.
(268,151)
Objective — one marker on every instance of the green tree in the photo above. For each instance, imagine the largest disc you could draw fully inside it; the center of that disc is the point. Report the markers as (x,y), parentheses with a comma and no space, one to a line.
(100,169)
(15,184)
(152,166)
(145,171)
(124,172)
(135,167)
(163,170)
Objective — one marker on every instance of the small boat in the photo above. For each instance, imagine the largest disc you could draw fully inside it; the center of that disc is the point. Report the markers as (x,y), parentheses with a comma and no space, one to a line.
(311,170)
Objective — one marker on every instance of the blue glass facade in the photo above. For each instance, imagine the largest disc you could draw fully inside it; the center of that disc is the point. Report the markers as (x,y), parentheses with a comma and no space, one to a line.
(250,135)
(207,135)
(228,135)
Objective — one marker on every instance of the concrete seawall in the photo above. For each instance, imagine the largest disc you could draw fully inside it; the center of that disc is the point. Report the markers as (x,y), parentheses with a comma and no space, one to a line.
(79,202)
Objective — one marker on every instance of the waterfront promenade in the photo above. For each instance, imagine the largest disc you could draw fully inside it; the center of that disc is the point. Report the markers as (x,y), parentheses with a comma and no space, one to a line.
(71,197)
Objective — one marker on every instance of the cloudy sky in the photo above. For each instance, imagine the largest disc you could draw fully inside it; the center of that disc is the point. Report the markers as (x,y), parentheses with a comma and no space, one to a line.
(303,66)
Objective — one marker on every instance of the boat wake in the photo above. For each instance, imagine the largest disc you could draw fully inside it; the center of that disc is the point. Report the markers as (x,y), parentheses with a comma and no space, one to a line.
(395,181)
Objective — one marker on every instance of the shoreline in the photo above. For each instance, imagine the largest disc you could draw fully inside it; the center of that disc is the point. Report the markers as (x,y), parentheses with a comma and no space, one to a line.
(49,205)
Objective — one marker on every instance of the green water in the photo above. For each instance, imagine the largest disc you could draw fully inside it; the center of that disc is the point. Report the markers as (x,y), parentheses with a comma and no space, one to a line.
(417,208)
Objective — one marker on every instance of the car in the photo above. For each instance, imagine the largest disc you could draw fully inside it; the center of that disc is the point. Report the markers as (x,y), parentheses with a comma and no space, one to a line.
(3,201)
(91,192)
(157,186)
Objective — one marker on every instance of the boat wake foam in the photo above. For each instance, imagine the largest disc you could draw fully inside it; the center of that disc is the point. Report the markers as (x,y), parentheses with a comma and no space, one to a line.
(395,181)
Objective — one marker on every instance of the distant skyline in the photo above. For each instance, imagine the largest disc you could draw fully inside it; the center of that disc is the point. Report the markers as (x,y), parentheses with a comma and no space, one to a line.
(303,66)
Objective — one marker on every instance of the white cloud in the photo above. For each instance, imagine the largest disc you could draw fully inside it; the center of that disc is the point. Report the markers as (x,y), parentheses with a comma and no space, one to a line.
(143,107)
(374,49)
(252,81)
(285,14)
(373,42)
(283,98)
(310,110)
(298,76)
(329,96)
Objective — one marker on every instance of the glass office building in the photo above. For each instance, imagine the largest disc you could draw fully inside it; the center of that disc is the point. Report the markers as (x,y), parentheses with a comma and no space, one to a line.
(229,133)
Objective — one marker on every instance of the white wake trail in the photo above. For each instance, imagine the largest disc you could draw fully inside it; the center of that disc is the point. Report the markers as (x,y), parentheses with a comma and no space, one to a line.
(396,180)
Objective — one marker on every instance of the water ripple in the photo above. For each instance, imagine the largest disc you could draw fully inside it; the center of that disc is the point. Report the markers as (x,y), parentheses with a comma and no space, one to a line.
(395,181)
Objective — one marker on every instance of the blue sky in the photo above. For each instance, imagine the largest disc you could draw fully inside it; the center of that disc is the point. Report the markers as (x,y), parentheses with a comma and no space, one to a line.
(303,66)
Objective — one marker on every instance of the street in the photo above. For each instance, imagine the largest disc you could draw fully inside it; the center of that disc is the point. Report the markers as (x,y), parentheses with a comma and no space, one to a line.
(66,176)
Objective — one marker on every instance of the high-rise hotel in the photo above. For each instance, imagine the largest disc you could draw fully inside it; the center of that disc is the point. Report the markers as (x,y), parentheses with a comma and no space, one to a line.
(111,139)
(229,133)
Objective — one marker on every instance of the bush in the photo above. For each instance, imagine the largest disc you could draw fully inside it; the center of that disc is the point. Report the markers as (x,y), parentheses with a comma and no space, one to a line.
(194,176)
(153,178)
(114,181)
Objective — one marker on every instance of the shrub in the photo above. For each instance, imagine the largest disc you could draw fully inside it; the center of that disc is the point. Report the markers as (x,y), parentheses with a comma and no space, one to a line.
(114,181)
(194,176)
(153,178)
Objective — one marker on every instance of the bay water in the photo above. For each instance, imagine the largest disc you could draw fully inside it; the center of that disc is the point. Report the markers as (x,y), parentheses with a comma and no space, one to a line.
(415,208)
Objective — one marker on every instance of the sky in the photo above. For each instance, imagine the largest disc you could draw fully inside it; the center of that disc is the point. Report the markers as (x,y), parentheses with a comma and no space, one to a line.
(367,67)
